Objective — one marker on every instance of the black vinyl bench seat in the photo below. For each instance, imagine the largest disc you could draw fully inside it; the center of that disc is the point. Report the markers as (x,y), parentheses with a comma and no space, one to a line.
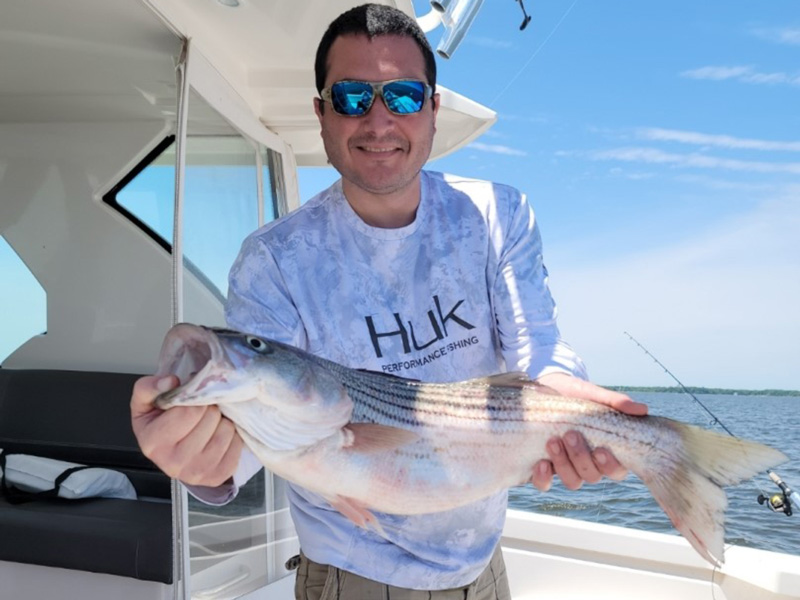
(83,417)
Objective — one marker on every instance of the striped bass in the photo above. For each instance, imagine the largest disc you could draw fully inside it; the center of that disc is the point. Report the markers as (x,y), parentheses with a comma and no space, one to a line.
(367,441)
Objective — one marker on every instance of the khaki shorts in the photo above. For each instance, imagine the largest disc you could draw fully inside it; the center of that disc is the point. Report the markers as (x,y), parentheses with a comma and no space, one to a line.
(322,582)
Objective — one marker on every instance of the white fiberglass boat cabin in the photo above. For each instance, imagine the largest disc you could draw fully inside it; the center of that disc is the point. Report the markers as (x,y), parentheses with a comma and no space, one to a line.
(140,141)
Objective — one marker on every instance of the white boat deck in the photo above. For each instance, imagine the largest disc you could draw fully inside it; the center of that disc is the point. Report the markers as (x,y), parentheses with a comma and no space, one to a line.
(565,559)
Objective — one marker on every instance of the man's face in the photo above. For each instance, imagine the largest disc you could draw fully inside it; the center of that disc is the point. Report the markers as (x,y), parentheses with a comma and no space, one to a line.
(380,152)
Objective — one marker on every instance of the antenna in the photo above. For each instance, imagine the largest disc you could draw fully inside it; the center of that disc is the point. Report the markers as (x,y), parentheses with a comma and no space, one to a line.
(525,16)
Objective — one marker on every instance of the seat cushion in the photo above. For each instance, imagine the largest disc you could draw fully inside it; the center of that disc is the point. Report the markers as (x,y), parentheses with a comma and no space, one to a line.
(121,537)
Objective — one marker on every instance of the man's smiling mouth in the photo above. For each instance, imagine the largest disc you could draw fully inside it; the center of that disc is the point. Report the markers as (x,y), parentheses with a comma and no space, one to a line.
(378,150)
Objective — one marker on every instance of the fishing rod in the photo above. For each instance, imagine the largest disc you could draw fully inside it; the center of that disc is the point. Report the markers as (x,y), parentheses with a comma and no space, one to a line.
(781,502)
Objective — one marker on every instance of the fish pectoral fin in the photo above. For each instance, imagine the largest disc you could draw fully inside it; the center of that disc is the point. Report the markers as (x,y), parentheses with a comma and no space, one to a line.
(372,437)
(357,512)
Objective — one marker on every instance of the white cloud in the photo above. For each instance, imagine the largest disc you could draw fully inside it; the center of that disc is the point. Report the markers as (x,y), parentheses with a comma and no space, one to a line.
(537,119)
(722,141)
(771,78)
(494,134)
(487,42)
(780,35)
(789,35)
(497,149)
(619,172)
(745,74)
(717,73)
(694,160)
(720,309)
(714,183)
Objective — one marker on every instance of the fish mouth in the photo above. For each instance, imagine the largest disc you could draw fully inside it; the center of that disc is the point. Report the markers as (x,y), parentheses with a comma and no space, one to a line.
(196,357)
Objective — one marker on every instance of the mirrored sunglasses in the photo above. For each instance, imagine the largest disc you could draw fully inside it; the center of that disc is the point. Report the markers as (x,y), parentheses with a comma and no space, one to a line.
(355,98)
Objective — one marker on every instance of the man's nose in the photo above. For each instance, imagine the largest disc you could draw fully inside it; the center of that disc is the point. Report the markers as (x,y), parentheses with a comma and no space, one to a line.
(379,116)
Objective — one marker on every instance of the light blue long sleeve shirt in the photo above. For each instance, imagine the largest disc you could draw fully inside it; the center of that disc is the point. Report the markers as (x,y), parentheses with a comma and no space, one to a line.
(459,293)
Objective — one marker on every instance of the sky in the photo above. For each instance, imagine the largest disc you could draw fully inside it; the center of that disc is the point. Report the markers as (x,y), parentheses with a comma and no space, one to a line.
(659,145)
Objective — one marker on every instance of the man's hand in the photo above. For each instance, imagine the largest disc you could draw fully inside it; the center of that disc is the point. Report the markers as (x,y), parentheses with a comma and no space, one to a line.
(194,444)
(570,456)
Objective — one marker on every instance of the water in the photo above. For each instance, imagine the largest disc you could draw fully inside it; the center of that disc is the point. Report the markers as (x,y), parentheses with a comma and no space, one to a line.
(773,420)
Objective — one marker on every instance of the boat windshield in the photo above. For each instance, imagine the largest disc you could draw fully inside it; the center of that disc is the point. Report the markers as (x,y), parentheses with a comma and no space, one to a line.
(221,201)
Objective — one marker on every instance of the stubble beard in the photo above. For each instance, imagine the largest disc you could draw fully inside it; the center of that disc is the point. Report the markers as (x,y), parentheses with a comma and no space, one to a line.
(378,180)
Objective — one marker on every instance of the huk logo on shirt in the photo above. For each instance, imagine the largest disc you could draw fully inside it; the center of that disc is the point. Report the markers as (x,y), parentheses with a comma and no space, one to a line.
(415,339)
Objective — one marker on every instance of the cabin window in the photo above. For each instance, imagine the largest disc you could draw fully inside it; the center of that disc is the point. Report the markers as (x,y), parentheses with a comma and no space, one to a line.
(220,199)
(23,302)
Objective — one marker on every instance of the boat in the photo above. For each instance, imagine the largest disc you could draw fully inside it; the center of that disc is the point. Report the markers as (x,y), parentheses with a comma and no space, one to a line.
(140,141)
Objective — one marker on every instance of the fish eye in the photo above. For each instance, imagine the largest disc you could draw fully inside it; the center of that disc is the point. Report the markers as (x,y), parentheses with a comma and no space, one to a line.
(258,344)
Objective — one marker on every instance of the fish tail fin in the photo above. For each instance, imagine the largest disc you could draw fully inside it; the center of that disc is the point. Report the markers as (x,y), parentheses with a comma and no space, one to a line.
(688,487)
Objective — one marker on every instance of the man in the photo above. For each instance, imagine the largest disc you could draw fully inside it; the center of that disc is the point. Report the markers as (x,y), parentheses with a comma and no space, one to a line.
(399,270)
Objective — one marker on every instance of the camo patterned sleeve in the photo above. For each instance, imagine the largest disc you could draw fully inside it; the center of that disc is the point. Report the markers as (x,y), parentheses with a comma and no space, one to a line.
(522,303)
(258,301)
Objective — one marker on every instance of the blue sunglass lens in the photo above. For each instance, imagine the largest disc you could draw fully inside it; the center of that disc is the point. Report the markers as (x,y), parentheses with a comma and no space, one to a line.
(404,97)
(351,97)
(354,98)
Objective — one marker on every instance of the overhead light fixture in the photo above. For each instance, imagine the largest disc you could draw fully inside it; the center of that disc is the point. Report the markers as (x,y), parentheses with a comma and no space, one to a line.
(440,5)
(230,3)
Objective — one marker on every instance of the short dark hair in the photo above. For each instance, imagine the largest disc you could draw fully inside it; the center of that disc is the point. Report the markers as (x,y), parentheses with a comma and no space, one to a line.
(373,20)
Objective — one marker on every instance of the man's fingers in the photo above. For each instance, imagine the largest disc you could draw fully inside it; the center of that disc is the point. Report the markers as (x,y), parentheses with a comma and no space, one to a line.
(624,404)
(184,459)
(562,465)
(573,387)
(542,477)
(616,400)
(194,444)
(211,453)
(574,462)
(166,429)
(146,390)
(224,450)
(580,457)
(608,465)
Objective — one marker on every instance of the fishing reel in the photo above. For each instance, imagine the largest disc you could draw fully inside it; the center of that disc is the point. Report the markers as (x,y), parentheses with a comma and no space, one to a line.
(777,503)
(781,502)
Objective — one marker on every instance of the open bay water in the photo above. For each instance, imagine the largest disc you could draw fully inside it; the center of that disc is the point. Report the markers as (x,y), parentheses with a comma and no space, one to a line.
(772,420)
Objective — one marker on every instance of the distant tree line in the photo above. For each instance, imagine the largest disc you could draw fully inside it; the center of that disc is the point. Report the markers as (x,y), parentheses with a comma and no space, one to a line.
(704,390)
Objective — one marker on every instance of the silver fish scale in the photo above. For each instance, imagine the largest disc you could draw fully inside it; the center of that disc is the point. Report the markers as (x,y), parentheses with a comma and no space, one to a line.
(476,405)
(479,406)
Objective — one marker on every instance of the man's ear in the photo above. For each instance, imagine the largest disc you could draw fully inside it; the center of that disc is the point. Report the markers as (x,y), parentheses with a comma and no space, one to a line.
(435,101)
(319,108)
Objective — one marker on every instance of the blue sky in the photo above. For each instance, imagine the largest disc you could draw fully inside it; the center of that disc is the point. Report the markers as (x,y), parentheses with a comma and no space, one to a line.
(659,144)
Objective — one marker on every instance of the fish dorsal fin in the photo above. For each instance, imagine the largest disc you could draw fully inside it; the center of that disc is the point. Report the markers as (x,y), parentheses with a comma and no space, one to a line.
(372,437)
(512,379)
(519,379)
(388,375)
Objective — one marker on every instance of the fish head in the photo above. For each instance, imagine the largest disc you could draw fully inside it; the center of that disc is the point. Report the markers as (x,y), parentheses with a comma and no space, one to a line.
(278,393)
